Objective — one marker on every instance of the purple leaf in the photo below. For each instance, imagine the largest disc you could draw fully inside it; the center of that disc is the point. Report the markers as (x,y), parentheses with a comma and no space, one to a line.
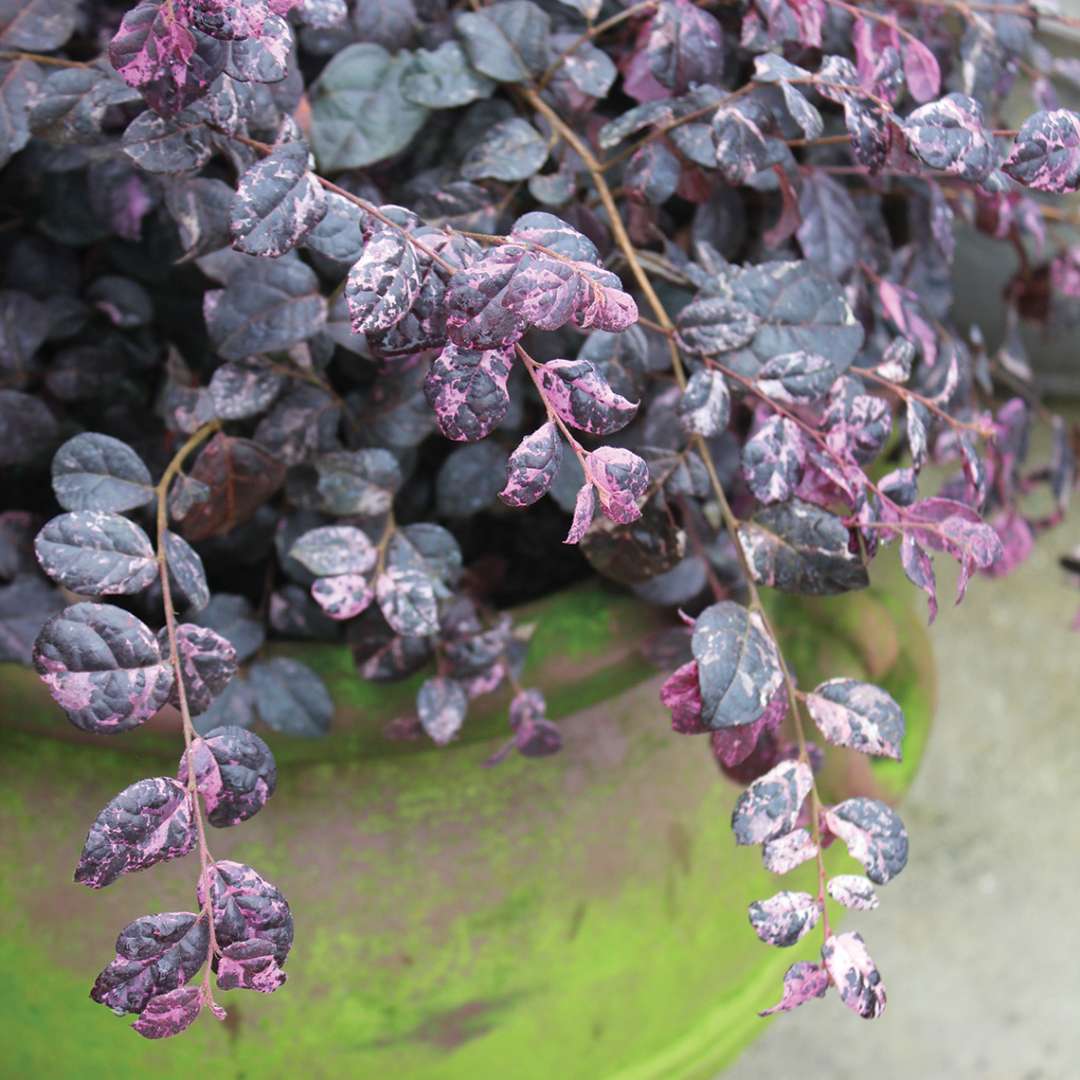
(917,422)
(291,698)
(620,478)
(741,150)
(534,734)
(98,472)
(582,397)
(407,600)
(785,918)
(788,851)
(874,835)
(335,549)
(857,715)
(738,669)
(147,823)
(652,174)
(584,508)
(441,704)
(705,405)
(250,965)
(235,773)
(733,745)
(871,133)
(103,667)
(96,553)
(383,283)
(360,482)
(681,693)
(853,891)
(170,1014)
(532,467)
(343,596)
(36,24)
(207,663)
(919,570)
(154,955)
(921,70)
(802,982)
(1046,154)
(246,907)
(797,378)
(773,460)
(853,973)
(896,360)
(277,203)
(770,805)
(467,390)
(949,135)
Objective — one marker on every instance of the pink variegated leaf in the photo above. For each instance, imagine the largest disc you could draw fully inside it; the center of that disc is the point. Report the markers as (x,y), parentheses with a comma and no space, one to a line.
(854,974)
(788,851)
(874,835)
(234,771)
(582,397)
(785,918)
(533,466)
(857,715)
(441,704)
(919,569)
(584,508)
(334,549)
(705,405)
(1046,154)
(250,965)
(342,596)
(155,954)
(170,1014)
(620,478)
(246,907)
(147,823)
(896,360)
(383,283)
(770,805)
(741,150)
(207,663)
(802,982)
(853,891)
(682,695)
(950,135)
(467,390)
(773,460)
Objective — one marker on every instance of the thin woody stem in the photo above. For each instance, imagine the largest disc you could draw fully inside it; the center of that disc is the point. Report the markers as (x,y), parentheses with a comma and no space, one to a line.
(206,860)
(532,367)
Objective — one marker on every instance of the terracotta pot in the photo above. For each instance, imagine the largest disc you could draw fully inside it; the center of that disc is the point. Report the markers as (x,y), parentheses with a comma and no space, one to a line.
(576,917)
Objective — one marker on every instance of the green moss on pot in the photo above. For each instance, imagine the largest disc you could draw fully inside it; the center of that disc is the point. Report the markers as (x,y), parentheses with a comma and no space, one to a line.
(581,916)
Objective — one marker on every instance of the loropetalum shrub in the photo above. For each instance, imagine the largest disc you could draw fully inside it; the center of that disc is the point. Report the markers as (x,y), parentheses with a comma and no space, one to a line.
(683,268)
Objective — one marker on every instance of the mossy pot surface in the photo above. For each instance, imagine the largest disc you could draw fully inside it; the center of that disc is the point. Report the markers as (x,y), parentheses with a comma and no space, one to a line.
(582,916)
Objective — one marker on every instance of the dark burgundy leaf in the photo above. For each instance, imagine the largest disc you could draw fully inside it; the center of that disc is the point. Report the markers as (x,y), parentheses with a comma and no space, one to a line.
(154,955)
(24,605)
(241,476)
(26,427)
(652,174)
(334,549)
(147,823)
(731,746)
(235,772)
(96,553)
(1046,154)
(873,833)
(470,478)
(98,472)
(773,460)
(831,232)
(853,973)
(467,390)
(291,698)
(170,1014)
(207,663)
(246,907)
(785,918)
(802,981)
(853,891)
(532,467)
(798,547)
(857,715)
(921,70)
(738,669)
(681,693)
(770,805)
(685,46)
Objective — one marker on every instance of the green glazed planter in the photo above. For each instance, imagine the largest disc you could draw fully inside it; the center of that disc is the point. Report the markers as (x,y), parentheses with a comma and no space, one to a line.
(577,917)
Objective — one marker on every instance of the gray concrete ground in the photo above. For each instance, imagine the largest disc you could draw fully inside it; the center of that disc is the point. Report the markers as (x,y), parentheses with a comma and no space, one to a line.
(978,941)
